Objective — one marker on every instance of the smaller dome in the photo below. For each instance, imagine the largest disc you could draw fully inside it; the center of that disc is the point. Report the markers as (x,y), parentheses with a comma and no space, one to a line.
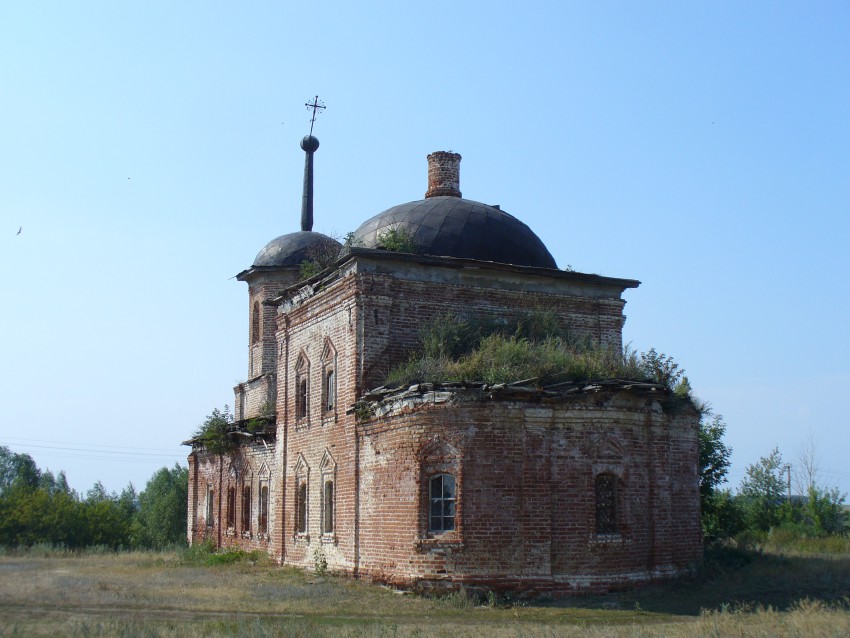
(293,249)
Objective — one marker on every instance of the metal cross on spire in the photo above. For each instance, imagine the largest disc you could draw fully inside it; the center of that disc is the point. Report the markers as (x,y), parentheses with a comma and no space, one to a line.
(317,107)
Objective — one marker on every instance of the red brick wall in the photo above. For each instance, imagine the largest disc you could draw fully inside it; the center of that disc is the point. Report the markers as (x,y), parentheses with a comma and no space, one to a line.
(262,354)
(526,505)
(324,332)
(251,465)
(394,311)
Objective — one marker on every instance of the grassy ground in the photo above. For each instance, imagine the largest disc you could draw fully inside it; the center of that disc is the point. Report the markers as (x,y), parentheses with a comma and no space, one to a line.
(773,593)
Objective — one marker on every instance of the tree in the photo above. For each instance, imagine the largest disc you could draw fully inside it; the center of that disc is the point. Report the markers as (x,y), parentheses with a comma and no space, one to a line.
(163,508)
(214,432)
(17,469)
(714,455)
(721,516)
(54,484)
(38,507)
(808,465)
(763,492)
(824,512)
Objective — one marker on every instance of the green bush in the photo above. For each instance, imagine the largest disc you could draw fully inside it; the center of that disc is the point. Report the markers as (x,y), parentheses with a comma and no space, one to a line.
(206,554)
(214,432)
(398,240)
(308,268)
(722,517)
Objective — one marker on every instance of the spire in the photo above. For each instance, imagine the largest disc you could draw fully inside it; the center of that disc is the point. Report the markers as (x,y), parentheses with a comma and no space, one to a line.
(310,145)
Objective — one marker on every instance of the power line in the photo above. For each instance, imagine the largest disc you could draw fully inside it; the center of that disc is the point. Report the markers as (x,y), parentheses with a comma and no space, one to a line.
(101,452)
(124,447)
(113,459)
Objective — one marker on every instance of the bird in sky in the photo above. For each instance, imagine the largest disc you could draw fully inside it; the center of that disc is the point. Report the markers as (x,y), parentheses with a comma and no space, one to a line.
(20,229)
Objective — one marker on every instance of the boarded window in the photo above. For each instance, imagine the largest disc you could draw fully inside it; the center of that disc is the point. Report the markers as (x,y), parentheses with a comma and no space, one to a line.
(442,502)
(606,504)
(246,508)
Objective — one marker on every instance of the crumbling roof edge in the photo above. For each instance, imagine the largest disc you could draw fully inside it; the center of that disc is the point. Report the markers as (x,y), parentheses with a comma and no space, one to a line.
(240,428)
(516,391)
(459,262)
(446,262)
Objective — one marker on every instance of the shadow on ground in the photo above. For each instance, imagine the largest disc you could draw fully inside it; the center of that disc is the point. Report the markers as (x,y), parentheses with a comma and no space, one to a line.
(739,579)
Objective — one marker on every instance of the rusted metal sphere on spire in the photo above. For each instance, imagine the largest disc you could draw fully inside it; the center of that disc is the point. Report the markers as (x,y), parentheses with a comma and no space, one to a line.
(310,144)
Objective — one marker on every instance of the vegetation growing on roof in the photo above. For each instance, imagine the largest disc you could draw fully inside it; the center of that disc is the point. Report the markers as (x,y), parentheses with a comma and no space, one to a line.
(323,255)
(320,256)
(397,240)
(529,345)
(258,424)
(214,432)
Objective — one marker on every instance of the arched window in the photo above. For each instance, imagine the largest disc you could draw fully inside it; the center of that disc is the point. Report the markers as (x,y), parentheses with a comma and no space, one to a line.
(302,388)
(255,323)
(606,504)
(327,469)
(264,509)
(231,507)
(301,508)
(442,502)
(328,377)
(301,409)
(328,508)
(330,389)
(246,508)
(210,505)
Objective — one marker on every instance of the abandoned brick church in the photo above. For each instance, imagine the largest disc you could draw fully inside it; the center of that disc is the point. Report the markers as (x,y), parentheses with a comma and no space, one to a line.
(574,487)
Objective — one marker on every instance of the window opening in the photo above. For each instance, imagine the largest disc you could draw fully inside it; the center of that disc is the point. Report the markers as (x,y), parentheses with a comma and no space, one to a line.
(301,410)
(246,509)
(301,508)
(255,323)
(264,509)
(210,506)
(442,499)
(330,390)
(328,514)
(231,507)
(606,504)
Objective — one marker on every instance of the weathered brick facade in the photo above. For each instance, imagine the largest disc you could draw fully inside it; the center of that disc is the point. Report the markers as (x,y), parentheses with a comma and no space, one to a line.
(586,490)
(525,492)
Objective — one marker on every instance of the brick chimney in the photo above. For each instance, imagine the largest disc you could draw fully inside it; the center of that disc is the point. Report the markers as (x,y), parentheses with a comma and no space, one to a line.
(443,174)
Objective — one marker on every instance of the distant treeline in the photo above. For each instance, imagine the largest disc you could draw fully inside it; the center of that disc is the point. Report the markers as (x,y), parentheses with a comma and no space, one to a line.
(38,507)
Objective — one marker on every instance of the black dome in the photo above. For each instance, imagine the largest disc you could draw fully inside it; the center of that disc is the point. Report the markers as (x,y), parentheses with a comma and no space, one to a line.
(295,248)
(457,227)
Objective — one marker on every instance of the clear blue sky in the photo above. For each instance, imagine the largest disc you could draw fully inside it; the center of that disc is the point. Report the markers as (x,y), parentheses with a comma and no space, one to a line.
(149,150)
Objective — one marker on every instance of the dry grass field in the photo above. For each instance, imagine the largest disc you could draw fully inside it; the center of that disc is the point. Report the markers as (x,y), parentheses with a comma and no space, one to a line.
(51,593)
